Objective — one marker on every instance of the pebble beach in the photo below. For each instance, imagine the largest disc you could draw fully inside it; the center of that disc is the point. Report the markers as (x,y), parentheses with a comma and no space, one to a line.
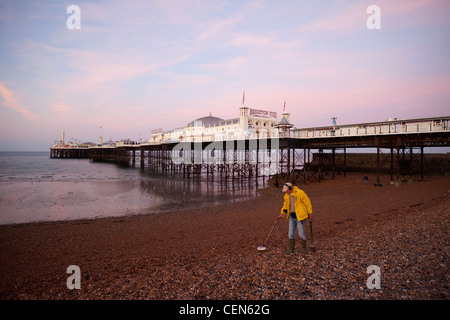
(211,253)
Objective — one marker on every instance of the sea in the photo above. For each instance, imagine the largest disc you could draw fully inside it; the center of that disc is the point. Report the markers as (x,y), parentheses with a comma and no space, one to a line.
(37,188)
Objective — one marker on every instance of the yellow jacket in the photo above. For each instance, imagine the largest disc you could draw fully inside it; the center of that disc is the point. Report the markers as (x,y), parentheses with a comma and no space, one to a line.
(302,204)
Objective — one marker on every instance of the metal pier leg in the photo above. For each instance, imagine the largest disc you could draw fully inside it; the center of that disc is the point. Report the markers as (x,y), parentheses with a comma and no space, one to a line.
(378,184)
(304,165)
(392,165)
(334,162)
(288,165)
(421,163)
(309,161)
(410,162)
(345,162)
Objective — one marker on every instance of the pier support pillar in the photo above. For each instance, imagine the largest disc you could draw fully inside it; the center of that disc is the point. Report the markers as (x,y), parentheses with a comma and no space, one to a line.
(142,157)
(378,184)
(288,165)
(410,162)
(421,163)
(334,162)
(392,165)
(398,163)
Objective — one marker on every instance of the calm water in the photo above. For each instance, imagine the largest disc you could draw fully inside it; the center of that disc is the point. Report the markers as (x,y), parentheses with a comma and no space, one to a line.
(34,187)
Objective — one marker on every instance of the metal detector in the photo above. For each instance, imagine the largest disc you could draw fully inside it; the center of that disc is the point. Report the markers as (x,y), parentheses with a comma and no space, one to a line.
(263,247)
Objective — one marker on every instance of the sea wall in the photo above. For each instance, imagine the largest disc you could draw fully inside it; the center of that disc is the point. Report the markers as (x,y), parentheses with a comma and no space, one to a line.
(405,163)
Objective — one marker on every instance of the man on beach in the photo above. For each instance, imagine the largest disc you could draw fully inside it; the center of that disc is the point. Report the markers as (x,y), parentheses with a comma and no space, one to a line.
(297,208)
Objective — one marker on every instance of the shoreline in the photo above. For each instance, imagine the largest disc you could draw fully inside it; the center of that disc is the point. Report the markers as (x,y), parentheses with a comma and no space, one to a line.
(25,202)
(210,252)
(267,190)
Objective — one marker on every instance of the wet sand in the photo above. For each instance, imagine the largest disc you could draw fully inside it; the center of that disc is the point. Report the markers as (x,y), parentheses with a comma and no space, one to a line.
(31,201)
(210,253)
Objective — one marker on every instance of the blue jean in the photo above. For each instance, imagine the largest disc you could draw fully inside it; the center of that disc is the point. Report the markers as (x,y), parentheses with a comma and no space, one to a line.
(293,222)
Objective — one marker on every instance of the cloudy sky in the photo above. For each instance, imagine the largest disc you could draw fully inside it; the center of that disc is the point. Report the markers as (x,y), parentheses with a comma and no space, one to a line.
(134,66)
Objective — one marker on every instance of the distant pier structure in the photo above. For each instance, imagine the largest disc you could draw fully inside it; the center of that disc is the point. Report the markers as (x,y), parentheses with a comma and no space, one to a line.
(296,154)
(70,152)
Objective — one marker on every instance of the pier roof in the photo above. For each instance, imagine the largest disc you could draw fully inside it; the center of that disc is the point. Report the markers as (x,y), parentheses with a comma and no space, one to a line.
(205,121)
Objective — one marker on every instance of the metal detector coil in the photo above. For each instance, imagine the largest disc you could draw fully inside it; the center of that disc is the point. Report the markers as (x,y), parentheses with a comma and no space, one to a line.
(263,247)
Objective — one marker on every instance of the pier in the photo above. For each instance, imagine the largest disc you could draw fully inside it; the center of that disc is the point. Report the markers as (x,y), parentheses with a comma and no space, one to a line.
(296,158)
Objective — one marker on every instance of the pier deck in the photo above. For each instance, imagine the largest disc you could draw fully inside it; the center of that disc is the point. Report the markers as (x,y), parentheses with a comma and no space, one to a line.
(296,158)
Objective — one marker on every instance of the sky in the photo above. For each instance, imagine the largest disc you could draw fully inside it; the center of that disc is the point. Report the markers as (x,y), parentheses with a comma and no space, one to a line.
(134,66)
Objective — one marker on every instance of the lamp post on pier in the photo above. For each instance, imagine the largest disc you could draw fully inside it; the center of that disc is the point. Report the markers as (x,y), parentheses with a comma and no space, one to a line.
(101,137)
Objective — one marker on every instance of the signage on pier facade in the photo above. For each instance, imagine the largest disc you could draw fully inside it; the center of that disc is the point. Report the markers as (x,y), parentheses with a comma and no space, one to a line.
(156,131)
(264,113)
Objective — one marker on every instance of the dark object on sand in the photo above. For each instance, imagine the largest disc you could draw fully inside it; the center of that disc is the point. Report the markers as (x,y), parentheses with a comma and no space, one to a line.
(313,247)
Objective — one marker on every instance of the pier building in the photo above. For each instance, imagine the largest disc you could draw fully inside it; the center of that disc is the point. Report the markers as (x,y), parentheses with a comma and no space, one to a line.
(251,124)
(259,144)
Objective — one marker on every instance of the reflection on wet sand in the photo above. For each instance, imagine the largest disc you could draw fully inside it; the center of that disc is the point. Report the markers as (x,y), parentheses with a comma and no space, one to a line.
(36,188)
(191,193)
(23,202)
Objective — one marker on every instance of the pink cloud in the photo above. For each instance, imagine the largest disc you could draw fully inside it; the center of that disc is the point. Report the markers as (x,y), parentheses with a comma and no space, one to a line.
(346,19)
(10,101)
(353,17)
(219,28)
(251,40)
(416,12)
(104,67)
(373,99)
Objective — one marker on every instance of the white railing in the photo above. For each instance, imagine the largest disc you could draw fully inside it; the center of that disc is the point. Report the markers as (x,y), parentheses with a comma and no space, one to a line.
(387,128)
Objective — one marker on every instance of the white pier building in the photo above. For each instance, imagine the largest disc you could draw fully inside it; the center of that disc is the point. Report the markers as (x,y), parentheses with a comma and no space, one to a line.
(251,123)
